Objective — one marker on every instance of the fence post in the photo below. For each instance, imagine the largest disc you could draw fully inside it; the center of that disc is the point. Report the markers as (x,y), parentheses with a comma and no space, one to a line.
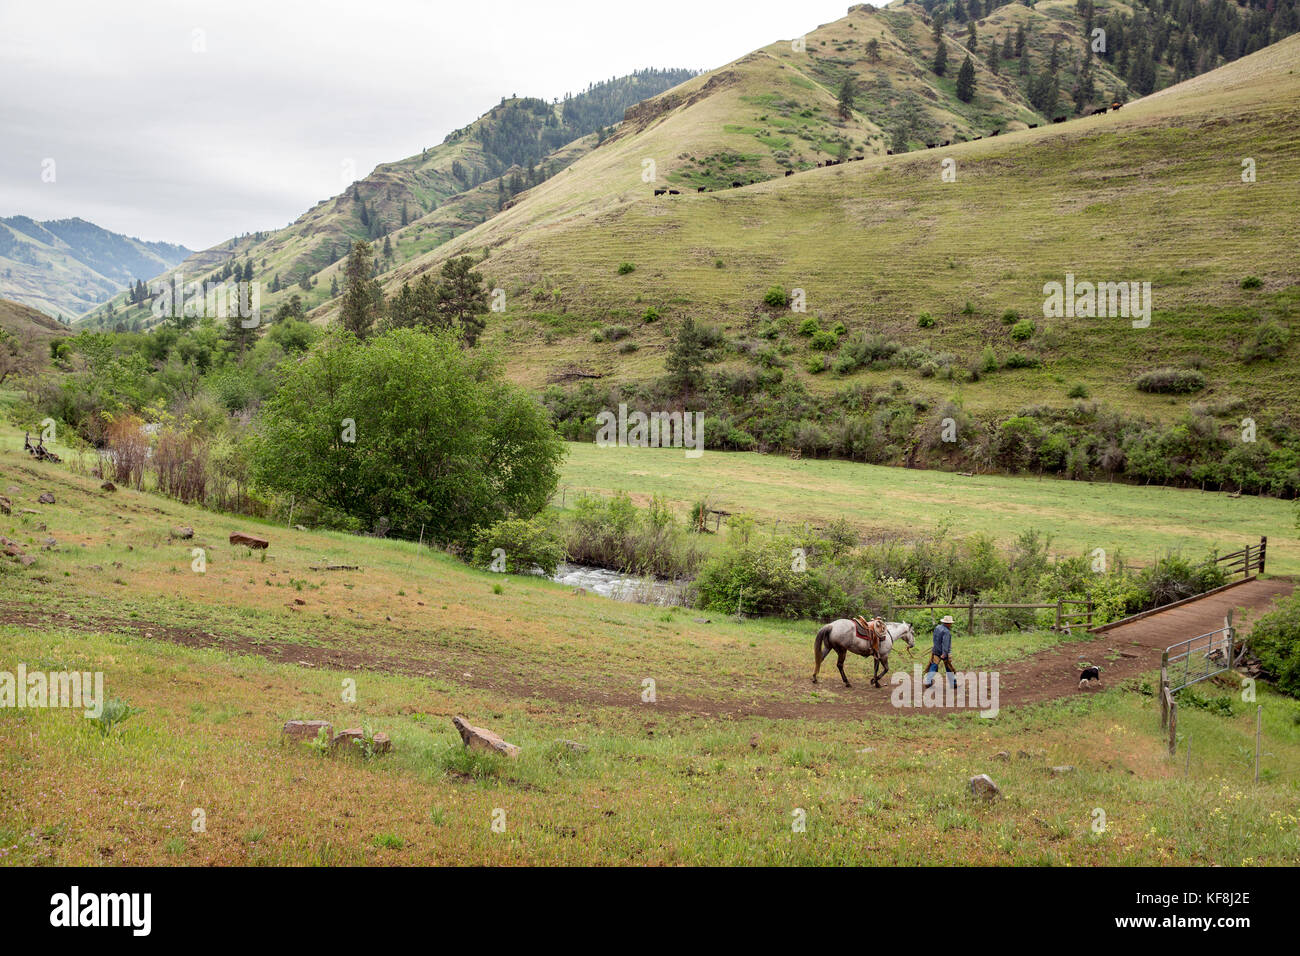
(1164,690)
(1090,613)
(1259,719)
(1058,614)
(1263,551)
(971,620)
(1173,725)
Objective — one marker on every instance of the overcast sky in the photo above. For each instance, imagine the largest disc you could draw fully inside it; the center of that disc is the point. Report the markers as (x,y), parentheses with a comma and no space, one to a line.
(194,121)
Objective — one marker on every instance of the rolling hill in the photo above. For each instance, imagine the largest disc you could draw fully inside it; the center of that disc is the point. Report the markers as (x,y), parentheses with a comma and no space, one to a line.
(66,266)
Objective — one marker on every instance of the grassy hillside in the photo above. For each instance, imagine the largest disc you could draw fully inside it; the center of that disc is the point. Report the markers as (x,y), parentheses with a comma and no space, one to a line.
(712,771)
(1150,194)
(64,267)
(409,206)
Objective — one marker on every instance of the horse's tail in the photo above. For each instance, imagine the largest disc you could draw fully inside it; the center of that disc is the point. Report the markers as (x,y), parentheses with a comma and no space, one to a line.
(823,639)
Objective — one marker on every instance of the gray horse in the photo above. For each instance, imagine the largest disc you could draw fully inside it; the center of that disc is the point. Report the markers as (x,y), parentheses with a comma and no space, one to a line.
(842,637)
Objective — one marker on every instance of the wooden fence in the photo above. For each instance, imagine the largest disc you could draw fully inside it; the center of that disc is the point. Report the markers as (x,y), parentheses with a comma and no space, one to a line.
(1067,616)
(1250,558)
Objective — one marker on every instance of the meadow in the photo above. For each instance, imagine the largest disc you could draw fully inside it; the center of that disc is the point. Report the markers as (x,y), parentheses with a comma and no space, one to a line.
(739,759)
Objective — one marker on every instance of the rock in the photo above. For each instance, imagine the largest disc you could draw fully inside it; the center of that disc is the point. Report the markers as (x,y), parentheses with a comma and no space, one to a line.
(1066,768)
(573,746)
(184,533)
(307,729)
(1002,755)
(984,787)
(248,540)
(46,498)
(6,506)
(354,738)
(299,601)
(479,738)
(108,486)
(26,560)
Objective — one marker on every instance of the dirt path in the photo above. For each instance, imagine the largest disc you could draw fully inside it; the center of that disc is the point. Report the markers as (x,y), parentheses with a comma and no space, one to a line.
(1123,652)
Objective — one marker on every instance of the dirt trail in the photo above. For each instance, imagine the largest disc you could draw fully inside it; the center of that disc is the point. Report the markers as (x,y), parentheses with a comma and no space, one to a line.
(1122,652)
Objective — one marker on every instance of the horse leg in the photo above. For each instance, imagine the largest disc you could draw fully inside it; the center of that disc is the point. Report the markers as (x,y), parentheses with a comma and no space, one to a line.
(840,664)
(884,665)
(821,648)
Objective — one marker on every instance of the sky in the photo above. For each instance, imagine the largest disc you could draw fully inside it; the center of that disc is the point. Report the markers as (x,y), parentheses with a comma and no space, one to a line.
(192,122)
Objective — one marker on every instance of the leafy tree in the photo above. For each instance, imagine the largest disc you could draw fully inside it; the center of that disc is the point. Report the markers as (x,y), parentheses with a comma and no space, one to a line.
(363,300)
(440,440)
(966,81)
(873,50)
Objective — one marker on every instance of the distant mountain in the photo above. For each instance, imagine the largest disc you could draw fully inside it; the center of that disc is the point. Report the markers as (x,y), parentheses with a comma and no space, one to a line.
(411,206)
(64,267)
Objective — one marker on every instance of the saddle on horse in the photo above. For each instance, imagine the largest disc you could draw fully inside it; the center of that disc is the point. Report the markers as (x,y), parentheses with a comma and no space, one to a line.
(870,631)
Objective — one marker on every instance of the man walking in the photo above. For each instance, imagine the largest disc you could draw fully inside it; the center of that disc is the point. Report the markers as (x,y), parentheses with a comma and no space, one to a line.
(941,652)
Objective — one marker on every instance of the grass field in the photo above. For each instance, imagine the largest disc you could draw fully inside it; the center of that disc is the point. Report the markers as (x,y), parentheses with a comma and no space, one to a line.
(737,748)
(1134,522)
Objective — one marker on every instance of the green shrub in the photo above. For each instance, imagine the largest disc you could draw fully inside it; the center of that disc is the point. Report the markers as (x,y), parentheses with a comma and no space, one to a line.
(1268,341)
(1023,330)
(1174,381)
(1251,282)
(114,713)
(1020,360)
(926,321)
(628,347)
(625,267)
(616,332)
(839,329)
(776,298)
(824,341)
(651,315)
(815,364)
(809,326)
(1010,317)
(1078,390)
(527,544)
(989,362)
(1275,640)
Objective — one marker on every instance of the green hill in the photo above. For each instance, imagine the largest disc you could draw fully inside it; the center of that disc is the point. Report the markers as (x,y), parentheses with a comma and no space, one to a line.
(66,266)
(408,207)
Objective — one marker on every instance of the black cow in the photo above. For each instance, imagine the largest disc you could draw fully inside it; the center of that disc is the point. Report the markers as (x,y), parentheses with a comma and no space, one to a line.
(674,192)
(1059,119)
(1115,106)
(977,137)
(736,184)
(1033,126)
(789,172)
(947,142)
(699,189)
(889,152)
(995,132)
(660,192)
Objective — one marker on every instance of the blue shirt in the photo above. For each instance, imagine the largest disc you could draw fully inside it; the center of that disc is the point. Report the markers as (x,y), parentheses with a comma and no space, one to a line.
(942,640)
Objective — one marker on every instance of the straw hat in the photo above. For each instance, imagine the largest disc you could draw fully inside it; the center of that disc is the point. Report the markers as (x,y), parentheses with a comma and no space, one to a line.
(947,619)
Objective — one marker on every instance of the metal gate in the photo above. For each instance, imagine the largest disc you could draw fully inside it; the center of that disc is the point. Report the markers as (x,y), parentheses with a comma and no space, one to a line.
(1198,658)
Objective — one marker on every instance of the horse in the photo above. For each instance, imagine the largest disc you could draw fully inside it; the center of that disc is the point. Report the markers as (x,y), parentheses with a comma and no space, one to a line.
(842,637)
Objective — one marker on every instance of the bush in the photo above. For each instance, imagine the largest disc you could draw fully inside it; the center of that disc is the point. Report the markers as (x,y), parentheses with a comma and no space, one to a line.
(989,362)
(776,298)
(625,267)
(1174,578)
(628,347)
(926,321)
(1175,381)
(1020,360)
(809,326)
(526,543)
(1275,640)
(1251,282)
(824,341)
(1010,317)
(1023,330)
(616,332)
(651,315)
(1077,391)
(756,578)
(1268,342)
